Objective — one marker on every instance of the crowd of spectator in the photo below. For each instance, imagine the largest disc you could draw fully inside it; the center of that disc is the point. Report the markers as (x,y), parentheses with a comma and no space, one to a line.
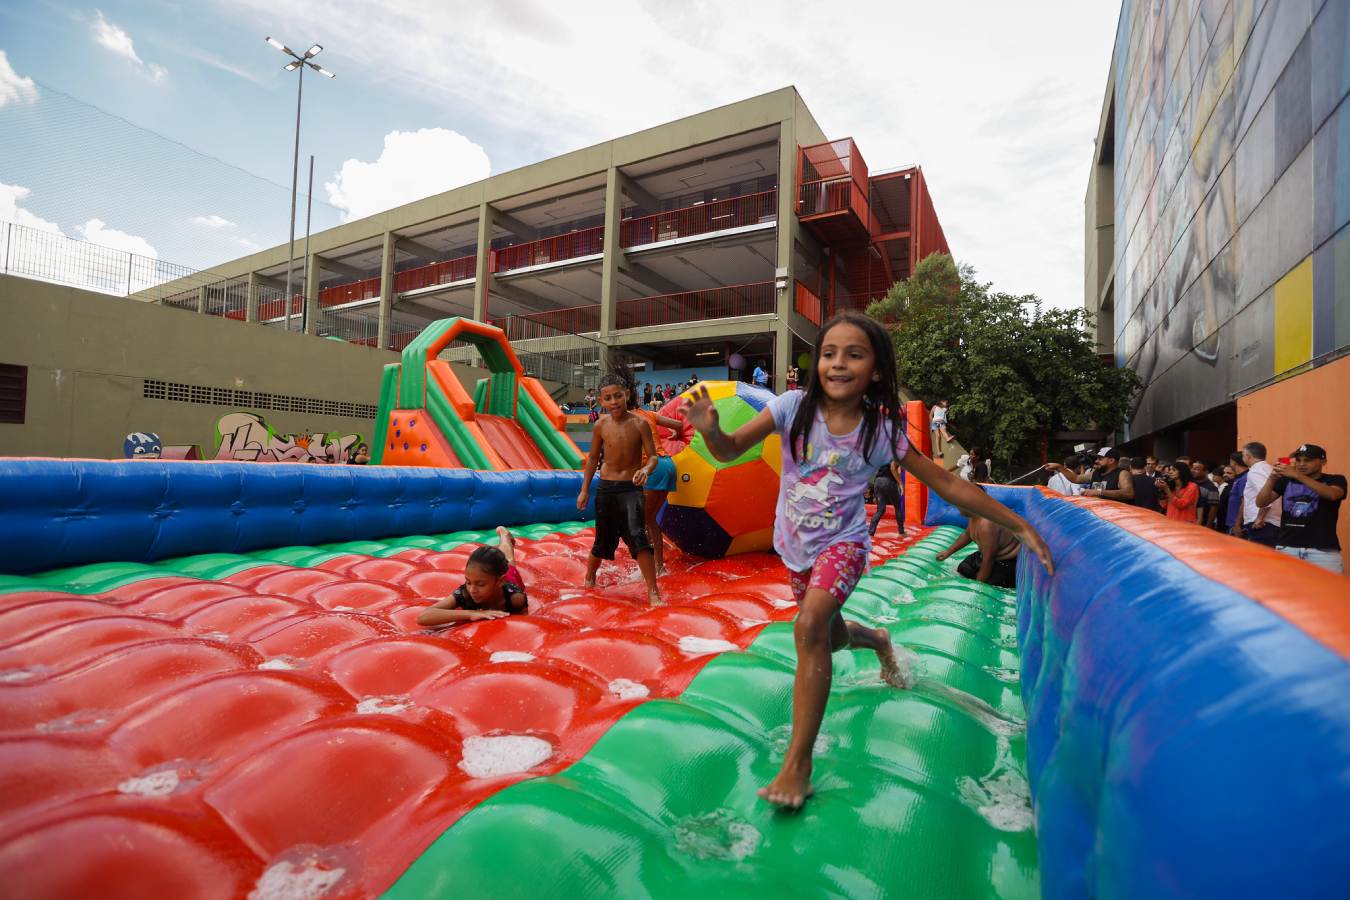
(1292,505)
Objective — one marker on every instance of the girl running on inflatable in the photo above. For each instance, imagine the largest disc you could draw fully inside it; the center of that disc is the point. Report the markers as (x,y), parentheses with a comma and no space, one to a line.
(836,433)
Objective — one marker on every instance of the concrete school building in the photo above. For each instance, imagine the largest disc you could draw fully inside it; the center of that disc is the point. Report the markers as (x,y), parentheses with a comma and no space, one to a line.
(1218,258)
(734,231)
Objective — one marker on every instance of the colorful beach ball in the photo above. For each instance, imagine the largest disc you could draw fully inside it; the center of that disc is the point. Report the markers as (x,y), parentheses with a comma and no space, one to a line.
(722,508)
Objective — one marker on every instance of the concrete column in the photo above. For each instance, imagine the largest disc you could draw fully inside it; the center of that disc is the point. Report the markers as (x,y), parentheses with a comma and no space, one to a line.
(609,266)
(201,298)
(787,237)
(782,353)
(312,293)
(483,269)
(387,258)
(251,301)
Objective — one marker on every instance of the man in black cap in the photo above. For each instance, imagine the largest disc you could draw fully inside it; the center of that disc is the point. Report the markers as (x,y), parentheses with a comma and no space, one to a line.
(1107,478)
(1312,504)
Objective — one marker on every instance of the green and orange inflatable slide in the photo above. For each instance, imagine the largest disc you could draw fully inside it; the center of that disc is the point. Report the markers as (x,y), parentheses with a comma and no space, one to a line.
(427,418)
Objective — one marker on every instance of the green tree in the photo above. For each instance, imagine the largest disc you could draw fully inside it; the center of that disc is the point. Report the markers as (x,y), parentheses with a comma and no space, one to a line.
(1014,371)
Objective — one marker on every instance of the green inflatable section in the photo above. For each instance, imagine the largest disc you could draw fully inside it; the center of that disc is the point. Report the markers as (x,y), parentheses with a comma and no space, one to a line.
(920,793)
(97,577)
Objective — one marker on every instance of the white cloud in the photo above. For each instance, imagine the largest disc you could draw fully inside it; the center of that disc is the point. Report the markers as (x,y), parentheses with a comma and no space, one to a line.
(14,88)
(212,221)
(11,196)
(96,231)
(412,165)
(113,38)
(999,107)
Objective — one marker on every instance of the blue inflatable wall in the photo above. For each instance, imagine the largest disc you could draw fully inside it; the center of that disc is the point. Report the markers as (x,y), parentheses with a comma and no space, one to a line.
(56,513)
(1183,739)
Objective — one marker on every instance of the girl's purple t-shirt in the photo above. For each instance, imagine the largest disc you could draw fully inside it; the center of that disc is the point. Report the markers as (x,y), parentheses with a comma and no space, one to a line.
(820,497)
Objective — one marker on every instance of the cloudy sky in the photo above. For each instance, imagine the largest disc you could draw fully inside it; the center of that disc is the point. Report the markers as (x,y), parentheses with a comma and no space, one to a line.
(166,128)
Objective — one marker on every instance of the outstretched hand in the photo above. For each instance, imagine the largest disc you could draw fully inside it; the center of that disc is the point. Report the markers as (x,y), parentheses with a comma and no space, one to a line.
(1033,541)
(700,412)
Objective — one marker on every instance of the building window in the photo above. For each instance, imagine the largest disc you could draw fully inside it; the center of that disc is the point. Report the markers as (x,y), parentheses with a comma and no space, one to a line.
(13,393)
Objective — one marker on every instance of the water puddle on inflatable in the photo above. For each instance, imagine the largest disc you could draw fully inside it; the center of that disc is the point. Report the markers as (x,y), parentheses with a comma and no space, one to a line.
(1002,798)
(780,737)
(998,723)
(720,834)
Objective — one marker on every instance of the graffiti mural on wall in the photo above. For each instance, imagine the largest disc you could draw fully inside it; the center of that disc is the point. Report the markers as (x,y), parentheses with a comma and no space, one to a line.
(1229,179)
(246,437)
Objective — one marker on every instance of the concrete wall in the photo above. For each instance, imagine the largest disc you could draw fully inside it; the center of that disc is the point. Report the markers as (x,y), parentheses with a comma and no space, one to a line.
(1312,408)
(89,355)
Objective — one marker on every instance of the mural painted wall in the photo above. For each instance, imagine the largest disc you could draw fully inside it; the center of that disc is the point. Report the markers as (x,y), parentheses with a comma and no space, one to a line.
(1232,192)
(246,437)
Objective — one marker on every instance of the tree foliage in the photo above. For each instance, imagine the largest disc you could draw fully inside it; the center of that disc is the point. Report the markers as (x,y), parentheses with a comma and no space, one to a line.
(1014,371)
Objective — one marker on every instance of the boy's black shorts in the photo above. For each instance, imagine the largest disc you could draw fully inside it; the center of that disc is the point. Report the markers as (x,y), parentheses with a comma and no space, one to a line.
(1004,574)
(619,514)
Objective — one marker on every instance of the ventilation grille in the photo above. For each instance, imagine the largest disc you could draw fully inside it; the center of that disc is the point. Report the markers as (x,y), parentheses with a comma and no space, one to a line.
(214,396)
(13,393)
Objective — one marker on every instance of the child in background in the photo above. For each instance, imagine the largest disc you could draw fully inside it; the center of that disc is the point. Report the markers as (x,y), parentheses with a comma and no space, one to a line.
(836,433)
(492,588)
(658,484)
(624,440)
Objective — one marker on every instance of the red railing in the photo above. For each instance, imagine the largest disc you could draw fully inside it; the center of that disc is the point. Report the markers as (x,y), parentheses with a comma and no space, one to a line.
(832,177)
(352,292)
(447,271)
(719,215)
(575,319)
(808,304)
(693,306)
(545,250)
(275,309)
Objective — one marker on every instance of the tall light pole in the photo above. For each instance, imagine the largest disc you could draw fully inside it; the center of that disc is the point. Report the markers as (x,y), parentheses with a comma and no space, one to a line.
(297,62)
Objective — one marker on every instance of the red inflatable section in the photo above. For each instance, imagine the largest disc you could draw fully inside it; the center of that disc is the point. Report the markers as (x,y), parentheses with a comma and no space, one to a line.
(290,727)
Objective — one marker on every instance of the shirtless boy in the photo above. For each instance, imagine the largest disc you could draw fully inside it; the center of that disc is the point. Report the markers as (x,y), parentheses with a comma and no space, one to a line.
(621,439)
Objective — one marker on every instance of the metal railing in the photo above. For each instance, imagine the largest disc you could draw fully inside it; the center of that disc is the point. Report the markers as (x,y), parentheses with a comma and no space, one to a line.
(446,271)
(703,218)
(586,242)
(573,320)
(808,304)
(832,177)
(759,298)
(51,256)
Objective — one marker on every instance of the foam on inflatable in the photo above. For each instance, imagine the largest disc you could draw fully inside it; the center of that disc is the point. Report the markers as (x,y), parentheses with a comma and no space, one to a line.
(1188,701)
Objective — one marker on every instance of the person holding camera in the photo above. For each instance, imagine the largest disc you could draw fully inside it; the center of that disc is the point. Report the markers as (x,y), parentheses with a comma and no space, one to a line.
(1312,504)
(1178,493)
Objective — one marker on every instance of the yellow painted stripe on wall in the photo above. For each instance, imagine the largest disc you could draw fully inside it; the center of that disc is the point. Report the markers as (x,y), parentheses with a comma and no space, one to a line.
(1294,317)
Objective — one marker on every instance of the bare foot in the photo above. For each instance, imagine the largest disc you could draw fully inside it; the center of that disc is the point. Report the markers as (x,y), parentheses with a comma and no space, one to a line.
(507,544)
(790,788)
(891,673)
(589,582)
(654,597)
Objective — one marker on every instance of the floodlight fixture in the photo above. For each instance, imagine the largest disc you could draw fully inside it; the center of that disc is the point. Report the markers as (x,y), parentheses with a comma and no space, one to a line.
(297,62)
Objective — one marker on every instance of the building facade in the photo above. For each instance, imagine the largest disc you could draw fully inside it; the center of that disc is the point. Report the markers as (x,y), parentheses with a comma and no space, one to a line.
(734,231)
(1218,261)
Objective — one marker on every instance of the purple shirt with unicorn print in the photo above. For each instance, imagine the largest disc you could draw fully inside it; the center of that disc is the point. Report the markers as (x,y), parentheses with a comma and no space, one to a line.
(820,498)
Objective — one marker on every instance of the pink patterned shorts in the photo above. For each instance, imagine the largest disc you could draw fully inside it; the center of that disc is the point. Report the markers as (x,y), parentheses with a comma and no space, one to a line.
(836,572)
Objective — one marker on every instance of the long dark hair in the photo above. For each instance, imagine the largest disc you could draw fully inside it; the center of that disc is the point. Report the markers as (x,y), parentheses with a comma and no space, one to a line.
(881,401)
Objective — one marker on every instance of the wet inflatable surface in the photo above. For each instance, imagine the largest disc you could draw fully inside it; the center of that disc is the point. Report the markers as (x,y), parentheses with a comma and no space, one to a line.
(275,724)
